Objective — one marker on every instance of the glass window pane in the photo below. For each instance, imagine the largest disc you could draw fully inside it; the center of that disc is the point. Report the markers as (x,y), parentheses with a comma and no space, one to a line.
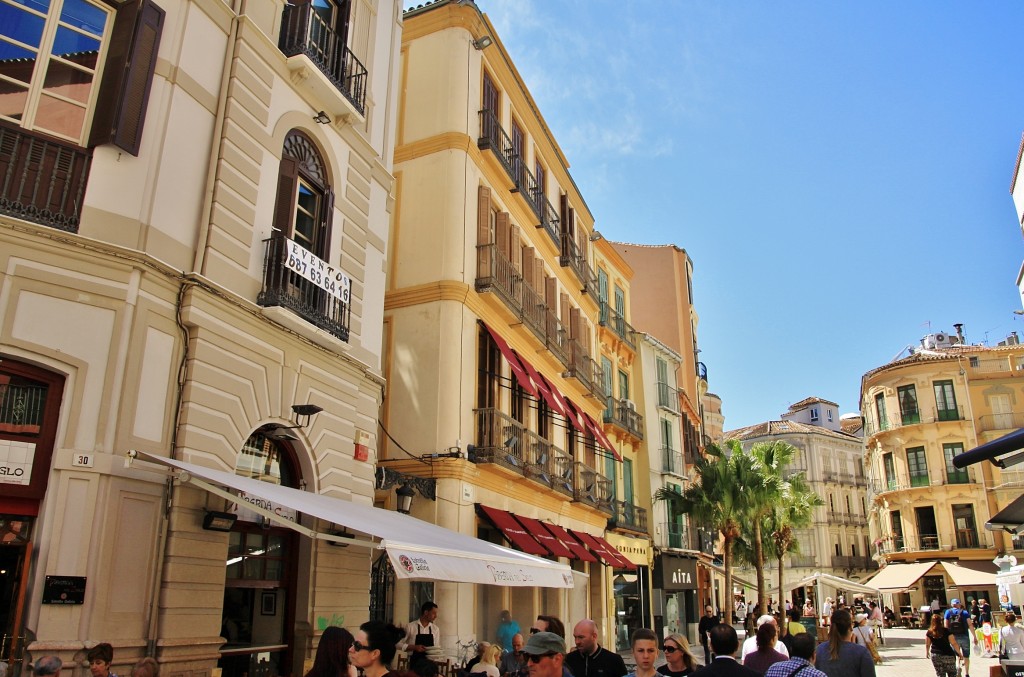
(20,25)
(84,15)
(41,6)
(253,568)
(234,569)
(75,47)
(68,81)
(254,543)
(60,117)
(234,544)
(275,570)
(16,62)
(12,100)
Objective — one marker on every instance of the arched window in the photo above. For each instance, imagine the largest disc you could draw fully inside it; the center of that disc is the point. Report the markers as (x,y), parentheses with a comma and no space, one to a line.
(305,200)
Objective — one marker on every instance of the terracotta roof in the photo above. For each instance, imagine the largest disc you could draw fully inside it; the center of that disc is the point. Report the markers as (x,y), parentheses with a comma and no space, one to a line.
(811,400)
(851,425)
(769,428)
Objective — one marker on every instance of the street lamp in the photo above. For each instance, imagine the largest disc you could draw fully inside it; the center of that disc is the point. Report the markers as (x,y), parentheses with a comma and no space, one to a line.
(405,494)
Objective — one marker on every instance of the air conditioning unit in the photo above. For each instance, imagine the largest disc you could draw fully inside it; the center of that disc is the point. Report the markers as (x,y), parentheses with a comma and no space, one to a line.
(629,404)
(940,337)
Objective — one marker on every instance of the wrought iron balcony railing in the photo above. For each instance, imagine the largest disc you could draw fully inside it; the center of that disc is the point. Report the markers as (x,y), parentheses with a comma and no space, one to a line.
(993,422)
(803,561)
(853,562)
(494,138)
(612,319)
(21,408)
(557,338)
(495,273)
(668,397)
(303,31)
(672,461)
(623,414)
(538,202)
(675,535)
(576,260)
(287,289)
(535,312)
(629,517)
(507,442)
(43,180)
(902,482)
(584,368)
(592,488)
(873,426)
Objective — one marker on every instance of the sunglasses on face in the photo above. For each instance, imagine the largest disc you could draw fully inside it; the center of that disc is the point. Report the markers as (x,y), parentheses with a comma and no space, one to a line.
(535,658)
(669,649)
(359,646)
(534,631)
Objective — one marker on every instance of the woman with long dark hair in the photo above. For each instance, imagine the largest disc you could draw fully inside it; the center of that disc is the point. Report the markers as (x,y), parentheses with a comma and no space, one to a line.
(332,654)
(374,648)
(765,656)
(941,646)
(839,656)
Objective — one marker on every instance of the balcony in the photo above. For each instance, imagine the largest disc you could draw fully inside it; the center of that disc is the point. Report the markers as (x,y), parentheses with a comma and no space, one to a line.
(672,461)
(584,368)
(576,260)
(623,414)
(628,517)
(1000,423)
(303,32)
(617,323)
(43,180)
(873,427)
(702,372)
(677,536)
(285,288)
(495,273)
(21,408)
(556,337)
(591,487)
(901,482)
(853,562)
(508,443)
(494,138)
(668,397)
(808,561)
(1001,366)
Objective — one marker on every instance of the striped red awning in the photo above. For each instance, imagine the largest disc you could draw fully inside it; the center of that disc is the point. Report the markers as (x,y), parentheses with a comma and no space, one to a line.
(578,551)
(605,550)
(539,531)
(513,361)
(555,403)
(513,531)
(601,437)
(576,416)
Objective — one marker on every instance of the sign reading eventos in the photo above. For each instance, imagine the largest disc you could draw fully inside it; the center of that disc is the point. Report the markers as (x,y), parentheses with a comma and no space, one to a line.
(319,272)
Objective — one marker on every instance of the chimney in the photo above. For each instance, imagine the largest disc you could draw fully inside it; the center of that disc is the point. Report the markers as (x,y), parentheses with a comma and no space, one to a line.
(959,332)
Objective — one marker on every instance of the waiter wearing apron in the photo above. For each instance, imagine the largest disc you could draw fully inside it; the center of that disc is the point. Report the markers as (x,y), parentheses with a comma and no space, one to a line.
(421,635)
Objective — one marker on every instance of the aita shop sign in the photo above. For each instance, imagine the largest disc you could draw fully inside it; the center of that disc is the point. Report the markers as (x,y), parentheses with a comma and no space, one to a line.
(678,573)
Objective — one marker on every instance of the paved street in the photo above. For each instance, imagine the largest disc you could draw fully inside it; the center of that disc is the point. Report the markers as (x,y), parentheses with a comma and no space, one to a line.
(903,656)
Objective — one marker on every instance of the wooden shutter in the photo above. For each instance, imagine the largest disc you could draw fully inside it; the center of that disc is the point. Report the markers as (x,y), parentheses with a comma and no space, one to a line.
(565,308)
(483,215)
(323,236)
(529,263)
(538,281)
(551,294)
(128,76)
(575,327)
(515,248)
(502,226)
(287,190)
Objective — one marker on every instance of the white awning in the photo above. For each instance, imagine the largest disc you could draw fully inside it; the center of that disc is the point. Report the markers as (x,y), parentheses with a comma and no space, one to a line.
(417,549)
(899,577)
(967,577)
(837,582)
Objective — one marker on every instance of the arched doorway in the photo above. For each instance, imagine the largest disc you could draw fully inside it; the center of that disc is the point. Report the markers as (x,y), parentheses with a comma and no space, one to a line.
(258,616)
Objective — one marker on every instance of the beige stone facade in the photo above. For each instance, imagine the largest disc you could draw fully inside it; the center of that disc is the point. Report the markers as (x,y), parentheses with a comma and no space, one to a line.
(154,311)
(920,412)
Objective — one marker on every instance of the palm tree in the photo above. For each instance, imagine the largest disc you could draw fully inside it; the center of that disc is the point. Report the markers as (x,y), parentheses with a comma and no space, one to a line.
(795,511)
(716,498)
(767,489)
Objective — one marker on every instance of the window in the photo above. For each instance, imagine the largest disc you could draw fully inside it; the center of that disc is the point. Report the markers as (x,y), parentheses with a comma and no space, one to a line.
(664,390)
(907,398)
(945,401)
(829,412)
(890,470)
(623,385)
(490,120)
(607,377)
(814,414)
(974,361)
(963,522)
(917,466)
(883,421)
(305,201)
(954,475)
(896,525)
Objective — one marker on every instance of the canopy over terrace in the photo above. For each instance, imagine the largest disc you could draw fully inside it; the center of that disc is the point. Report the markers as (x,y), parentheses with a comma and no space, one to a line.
(837,582)
(417,549)
(901,577)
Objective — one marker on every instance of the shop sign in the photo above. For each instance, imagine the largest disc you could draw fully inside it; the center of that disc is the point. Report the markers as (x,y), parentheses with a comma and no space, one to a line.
(301,261)
(678,573)
(247,515)
(64,590)
(16,462)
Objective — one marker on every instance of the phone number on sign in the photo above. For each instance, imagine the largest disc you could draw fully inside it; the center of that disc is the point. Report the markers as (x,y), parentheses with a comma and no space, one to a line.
(302,262)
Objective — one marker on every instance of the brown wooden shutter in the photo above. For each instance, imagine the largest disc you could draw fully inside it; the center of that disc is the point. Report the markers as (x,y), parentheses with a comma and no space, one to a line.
(575,328)
(502,226)
(538,269)
(483,215)
(564,298)
(515,248)
(323,239)
(529,266)
(551,294)
(128,76)
(287,188)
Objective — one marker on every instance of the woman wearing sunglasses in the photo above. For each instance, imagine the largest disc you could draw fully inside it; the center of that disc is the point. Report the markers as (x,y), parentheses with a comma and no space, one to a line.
(374,648)
(679,660)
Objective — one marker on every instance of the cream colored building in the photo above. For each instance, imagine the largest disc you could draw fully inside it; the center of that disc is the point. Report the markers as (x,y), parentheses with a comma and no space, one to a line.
(920,412)
(147,302)
(1017,193)
(832,460)
(493,338)
(714,419)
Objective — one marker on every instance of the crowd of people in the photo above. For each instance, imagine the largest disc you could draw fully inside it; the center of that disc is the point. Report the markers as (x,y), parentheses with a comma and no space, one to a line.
(776,646)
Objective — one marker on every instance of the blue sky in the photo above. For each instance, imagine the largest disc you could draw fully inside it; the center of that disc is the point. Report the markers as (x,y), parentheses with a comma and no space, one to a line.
(838,172)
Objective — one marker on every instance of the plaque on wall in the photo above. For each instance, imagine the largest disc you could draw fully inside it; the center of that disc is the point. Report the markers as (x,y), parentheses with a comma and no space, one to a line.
(64,590)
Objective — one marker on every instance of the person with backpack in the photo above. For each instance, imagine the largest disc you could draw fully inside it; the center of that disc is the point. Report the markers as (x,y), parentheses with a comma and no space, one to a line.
(958,621)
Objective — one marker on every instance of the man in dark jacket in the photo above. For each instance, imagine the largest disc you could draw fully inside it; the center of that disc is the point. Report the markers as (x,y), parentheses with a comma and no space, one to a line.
(707,621)
(590,659)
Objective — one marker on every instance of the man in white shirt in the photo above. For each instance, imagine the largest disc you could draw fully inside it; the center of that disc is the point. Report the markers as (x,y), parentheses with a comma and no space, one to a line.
(421,634)
(750,643)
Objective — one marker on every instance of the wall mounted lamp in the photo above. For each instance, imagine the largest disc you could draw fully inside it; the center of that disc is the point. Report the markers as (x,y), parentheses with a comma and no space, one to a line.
(483,42)
(322,118)
(595,236)
(408,486)
(303,414)
(219,521)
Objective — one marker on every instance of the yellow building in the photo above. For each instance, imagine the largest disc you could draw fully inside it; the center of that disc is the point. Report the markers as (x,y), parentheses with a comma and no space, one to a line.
(157,179)
(496,398)
(920,412)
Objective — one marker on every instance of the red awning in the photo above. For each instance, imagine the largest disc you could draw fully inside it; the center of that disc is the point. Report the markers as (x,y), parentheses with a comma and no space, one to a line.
(576,416)
(513,361)
(604,550)
(537,529)
(555,403)
(563,406)
(578,551)
(513,531)
(626,564)
(601,437)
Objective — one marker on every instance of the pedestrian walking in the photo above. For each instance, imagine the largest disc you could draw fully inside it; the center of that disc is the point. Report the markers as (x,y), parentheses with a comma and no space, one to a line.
(679,661)
(590,659)
(959,623)
(724,643)
(765,655)
(942,648)
(802,661)
(708,621)
(839,656)
(1011,638)
(374,648)
(645,652)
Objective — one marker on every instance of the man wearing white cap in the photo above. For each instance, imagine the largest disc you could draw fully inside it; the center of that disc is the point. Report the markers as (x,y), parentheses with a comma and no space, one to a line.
(750,643)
